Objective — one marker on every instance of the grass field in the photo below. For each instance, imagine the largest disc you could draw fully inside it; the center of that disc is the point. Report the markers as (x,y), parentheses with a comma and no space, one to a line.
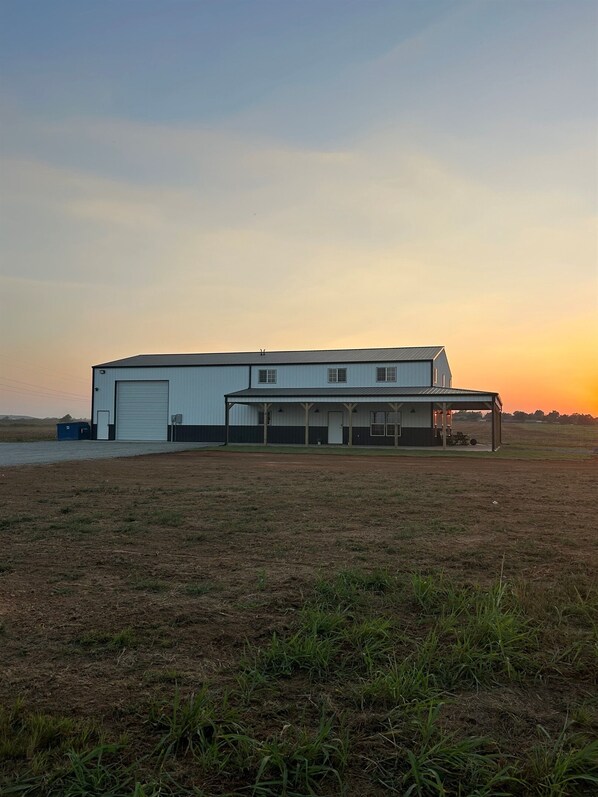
(27,431)
(268,624)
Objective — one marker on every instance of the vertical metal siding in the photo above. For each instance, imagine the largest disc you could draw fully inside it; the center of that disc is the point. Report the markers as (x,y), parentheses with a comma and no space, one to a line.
(198,393)
(443,368)
(409,374)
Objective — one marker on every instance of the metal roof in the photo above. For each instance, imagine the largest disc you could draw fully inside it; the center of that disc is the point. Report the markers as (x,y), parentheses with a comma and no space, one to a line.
(402,354)
(343,390)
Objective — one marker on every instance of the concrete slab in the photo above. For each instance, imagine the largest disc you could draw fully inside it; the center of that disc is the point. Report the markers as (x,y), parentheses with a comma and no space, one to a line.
(50,451)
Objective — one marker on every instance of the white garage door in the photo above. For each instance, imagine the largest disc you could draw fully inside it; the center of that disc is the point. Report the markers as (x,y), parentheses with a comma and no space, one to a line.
(142,410)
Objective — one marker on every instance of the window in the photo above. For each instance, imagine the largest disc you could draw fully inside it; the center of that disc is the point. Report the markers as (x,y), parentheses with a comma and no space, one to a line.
(436,376)
(377,424)
(386,374)
(382,424)
(267,376)
(393,418)
(337,374)
(443,380)
(260,418)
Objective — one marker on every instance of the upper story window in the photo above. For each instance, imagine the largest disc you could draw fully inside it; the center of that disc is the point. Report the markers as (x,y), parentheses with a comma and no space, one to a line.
(436,376)
(267,376)
(386,374)
(337,374)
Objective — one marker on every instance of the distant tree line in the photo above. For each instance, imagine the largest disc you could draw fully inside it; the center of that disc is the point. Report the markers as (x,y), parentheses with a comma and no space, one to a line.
(519,416)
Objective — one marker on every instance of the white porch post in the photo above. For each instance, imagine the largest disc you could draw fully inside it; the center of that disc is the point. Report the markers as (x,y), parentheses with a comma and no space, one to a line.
(395,407)
(266,407)
(350,408)
(444,424)
(307,405)
(228,406)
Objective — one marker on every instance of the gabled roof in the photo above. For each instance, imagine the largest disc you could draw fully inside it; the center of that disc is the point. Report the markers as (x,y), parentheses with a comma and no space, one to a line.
(403,354)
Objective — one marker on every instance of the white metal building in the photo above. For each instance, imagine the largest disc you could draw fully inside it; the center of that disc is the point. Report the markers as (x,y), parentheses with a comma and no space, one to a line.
(395,396)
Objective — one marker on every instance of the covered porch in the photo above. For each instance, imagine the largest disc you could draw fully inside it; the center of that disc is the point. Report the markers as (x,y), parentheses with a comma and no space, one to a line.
(379,416)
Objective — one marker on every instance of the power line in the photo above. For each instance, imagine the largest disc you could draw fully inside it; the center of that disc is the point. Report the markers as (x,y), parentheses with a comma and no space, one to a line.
(36,369)
(41,387)
(41,394)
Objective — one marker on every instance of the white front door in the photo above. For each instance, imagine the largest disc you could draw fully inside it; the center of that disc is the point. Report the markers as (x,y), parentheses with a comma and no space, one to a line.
(335,427)
(103,421)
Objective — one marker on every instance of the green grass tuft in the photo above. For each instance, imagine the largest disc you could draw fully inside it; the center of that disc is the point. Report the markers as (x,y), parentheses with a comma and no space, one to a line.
(105,640)
(297,762)
(201,726)
(421,758)
(562,767)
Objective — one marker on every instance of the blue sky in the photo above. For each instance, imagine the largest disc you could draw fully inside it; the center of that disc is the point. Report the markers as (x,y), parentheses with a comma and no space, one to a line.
(190,62)
(228,175)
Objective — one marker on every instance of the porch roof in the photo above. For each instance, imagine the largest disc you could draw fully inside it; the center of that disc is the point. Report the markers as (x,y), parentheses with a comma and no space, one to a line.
(328,395)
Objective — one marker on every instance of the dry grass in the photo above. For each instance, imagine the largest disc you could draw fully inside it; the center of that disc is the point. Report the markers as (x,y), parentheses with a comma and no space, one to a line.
(27,431)
(343,622)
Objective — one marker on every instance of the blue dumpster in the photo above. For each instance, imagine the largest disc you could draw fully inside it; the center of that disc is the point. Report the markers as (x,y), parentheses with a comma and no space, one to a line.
(79,430)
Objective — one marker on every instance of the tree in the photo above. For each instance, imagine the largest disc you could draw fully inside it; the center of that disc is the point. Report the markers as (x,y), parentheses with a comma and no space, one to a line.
(66,419)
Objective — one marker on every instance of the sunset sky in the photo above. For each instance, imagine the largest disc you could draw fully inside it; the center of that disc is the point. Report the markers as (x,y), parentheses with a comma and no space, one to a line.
(194,176)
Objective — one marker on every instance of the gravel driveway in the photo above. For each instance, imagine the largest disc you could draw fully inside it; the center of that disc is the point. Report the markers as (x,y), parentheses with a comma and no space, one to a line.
(45,452)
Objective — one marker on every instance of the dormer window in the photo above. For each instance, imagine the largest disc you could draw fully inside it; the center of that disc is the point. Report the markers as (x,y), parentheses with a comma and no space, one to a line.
(267,376)
(386,374)
(337,375)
